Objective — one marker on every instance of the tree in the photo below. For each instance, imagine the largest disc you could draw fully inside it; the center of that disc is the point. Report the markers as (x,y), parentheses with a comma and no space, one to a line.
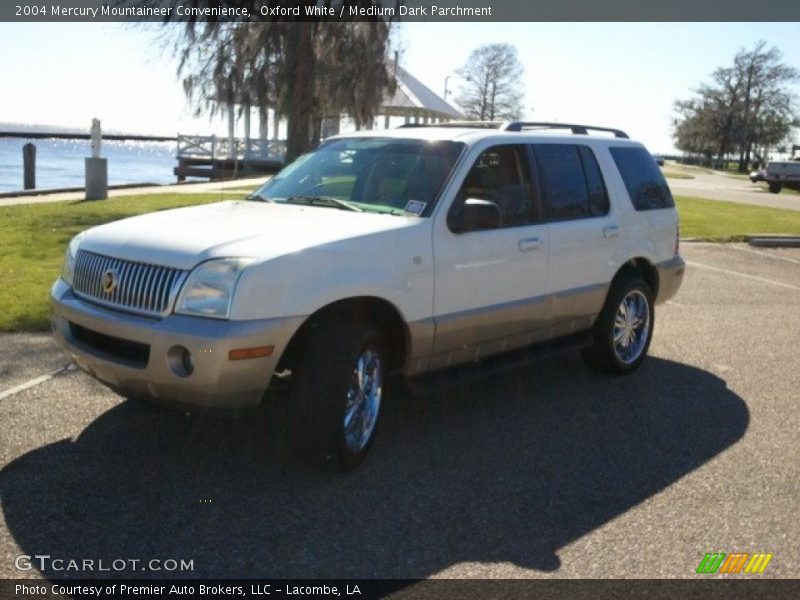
(305,70)
(746,109)
(695,129)
(767,102)
(493,87)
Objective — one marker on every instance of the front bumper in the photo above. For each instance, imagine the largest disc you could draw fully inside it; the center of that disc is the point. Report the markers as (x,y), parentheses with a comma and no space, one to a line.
(670,277)
(214,382)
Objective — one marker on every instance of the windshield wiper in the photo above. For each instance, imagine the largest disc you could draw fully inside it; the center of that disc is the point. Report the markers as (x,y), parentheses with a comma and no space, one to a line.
(324,201)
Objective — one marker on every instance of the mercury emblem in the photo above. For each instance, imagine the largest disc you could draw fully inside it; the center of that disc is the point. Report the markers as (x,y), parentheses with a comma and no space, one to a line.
(109,281)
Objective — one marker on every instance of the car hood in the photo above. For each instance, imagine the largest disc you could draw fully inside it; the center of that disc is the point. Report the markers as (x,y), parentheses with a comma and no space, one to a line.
(184,237)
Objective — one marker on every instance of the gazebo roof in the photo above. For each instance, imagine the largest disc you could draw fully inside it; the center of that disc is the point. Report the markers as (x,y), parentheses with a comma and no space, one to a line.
(413,96)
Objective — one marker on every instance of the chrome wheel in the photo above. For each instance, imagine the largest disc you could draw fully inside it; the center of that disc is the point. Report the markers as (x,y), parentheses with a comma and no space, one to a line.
(631,327)
(363,400)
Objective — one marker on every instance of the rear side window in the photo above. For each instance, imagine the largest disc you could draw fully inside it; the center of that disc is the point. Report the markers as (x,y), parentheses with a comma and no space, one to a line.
(571,182)
(646,185)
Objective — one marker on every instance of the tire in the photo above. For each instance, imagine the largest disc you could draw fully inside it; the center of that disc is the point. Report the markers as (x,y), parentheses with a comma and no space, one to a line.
(334,412)
(775,188)
(628,296)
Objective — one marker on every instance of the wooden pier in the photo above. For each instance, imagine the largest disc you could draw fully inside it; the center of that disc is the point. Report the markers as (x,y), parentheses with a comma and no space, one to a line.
(215,157)
(224,168)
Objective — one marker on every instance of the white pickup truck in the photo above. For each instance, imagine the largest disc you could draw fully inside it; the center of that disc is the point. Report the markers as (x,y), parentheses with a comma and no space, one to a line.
(407,250)
(782,173)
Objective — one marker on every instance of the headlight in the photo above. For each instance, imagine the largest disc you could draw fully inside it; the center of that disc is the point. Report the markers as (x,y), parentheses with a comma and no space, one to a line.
(68,272)
(208,290)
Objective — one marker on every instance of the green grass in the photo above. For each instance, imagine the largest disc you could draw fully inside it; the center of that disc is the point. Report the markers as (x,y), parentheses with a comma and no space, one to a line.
(732,170)
(243,188)
(33,238)
(719,221)
(787,190)
(669,174)
(735,174)
(675,166)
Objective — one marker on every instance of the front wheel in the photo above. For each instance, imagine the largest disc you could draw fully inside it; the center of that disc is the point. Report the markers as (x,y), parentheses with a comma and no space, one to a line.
(337,393)
(623,330)
(775,188)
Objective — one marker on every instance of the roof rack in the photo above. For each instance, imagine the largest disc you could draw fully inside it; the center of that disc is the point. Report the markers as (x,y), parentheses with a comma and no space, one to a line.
(521,126)
(576,129)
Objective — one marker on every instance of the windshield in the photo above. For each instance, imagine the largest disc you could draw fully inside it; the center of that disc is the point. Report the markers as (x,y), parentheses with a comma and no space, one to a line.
(386,175)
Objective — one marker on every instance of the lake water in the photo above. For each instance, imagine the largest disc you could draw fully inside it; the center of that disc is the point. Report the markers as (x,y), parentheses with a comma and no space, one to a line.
(59,163)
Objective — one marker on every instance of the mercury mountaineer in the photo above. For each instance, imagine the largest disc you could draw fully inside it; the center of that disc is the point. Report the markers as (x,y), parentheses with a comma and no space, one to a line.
(405,250)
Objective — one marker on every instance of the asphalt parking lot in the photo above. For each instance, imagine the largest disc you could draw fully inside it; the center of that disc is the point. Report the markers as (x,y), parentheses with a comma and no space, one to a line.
(545,471)
(719,186)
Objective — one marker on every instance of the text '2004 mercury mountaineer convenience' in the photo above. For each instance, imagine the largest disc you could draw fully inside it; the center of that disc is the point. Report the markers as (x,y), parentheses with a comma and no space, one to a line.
(410,250)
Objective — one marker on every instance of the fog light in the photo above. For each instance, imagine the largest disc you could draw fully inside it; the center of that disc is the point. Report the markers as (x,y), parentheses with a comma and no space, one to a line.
(180,361)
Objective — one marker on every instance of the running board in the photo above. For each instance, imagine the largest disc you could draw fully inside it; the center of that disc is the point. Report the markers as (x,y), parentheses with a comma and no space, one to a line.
(495,365)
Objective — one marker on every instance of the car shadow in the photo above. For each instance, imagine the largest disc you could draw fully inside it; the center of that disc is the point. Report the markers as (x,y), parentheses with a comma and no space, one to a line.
(506,469)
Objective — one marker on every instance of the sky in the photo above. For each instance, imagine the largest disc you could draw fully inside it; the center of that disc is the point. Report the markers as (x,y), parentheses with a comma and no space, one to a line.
(623,75)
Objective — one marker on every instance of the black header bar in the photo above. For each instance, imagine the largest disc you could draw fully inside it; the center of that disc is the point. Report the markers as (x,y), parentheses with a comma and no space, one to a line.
(402,10)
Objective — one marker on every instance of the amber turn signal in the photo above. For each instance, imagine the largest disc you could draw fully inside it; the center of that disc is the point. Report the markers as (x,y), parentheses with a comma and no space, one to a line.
(257,352)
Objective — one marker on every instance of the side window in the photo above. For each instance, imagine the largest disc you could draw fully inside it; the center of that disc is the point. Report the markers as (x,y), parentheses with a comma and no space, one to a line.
(571,181)
(646,185)
(501,176)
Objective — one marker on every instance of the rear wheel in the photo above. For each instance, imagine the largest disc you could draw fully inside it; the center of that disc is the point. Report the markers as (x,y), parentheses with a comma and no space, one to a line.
(775,188)
(337,393)
(624,328)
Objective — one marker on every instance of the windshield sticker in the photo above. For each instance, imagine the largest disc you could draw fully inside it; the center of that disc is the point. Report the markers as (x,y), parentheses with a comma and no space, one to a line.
(415,207)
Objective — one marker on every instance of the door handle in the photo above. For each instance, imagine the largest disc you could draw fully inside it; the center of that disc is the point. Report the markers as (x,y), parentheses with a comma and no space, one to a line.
(529,244)
(612,231)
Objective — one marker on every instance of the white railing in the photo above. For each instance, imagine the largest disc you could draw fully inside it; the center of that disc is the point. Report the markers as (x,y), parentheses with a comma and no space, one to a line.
(212,146)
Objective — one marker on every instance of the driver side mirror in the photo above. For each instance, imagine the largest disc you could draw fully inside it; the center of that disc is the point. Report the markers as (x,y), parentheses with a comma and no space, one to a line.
(477,215)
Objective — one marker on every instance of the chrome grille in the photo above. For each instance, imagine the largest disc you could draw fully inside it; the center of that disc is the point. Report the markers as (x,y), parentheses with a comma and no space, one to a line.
(138,287)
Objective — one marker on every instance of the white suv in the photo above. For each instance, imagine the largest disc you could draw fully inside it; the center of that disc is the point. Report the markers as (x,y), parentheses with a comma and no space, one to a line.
(411,250)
